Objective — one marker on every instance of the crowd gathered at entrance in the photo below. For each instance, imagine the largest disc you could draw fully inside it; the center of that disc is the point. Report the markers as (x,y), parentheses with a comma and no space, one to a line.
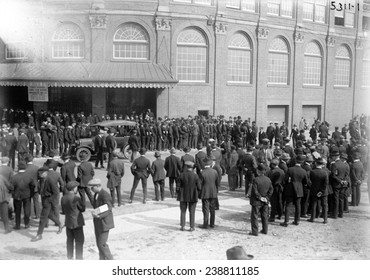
(278,168)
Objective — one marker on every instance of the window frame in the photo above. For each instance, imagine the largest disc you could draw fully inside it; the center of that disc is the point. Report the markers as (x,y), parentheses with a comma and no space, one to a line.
(117,42)
(190,46)
(307,55)
(341,58)
(15,45)
(80,42)
(280,4)
(288,54)
(315,5)
(242,6)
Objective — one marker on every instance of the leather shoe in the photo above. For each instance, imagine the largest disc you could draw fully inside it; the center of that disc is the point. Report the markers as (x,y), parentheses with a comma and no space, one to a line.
(182,228)
(295,223)
(36,238)
(304,216)
(192,229)
(263,232)
(254,234)
(203,227)
(144,201)
(130,201)
(310,220)
(325,222)
(16,228)
(284,224)
(271,220)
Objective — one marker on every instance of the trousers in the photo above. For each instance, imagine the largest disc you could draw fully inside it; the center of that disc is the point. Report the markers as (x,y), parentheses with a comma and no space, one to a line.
(263,210)
(26,204)
(75,237)
(191,206)
(101,243)
(209,213)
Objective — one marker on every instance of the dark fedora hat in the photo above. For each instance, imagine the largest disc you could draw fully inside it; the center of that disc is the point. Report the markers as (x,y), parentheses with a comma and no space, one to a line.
(238,253)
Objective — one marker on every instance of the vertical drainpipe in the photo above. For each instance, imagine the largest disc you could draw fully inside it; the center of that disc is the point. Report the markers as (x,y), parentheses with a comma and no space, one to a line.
(326,68)
(214,63)
(257,52)
(294,49)
(355,68)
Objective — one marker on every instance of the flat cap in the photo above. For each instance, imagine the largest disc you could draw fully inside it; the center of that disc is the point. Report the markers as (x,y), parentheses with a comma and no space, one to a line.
(189,163)
(71,185)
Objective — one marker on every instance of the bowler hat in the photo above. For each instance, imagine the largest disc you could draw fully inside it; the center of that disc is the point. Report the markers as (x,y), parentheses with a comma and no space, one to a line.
(261,167)
(142,151)
(71,185)
(344,156)
(207,161)
(237,253)
(285,156)
(300,158)
(173,151)
(22,165)
(157,154)
(320,161)
(274,162)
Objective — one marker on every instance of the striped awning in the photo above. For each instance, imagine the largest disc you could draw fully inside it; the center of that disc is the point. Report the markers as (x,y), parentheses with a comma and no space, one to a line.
(80,74)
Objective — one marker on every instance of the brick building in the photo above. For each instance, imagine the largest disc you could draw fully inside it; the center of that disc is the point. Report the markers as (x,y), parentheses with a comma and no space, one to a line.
(268,60)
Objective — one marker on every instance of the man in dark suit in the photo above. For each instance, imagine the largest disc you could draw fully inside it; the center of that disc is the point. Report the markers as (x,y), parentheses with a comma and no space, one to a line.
(158,175)
(133,142)
(99,149)
(31,134)
(248,164)
(208,193)
(11,145)
(67,171)
(111,144)
(189,186)
(50,200)
(186,157)
(140,168)
(357,175)
(72,207)
(85,172)
(199,157)
(295,178)
(116,170)
(172,165)
(276,176)
(24,186)
(339,172)
(32,171)
(260,196)
(103,221)
(319,190)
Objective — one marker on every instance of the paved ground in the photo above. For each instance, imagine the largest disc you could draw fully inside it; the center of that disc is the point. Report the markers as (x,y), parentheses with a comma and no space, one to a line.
(151,232)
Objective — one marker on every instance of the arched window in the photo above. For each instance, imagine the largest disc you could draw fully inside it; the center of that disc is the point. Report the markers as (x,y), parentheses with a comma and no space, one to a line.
(312,64)
(342,67)
(68,42)
(131,41)
(278,62)
(191,62)
(239,59)
(366,69)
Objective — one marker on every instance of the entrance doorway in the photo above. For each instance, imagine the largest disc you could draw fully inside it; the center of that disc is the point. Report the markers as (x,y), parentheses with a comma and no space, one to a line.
(278,113)
(311,113)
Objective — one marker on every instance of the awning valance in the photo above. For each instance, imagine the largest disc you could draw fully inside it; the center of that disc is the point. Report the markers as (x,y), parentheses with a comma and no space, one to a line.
(80,74)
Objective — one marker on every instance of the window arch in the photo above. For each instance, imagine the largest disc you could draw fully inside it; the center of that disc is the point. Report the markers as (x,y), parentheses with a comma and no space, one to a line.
(239,59)
(312,64)
(68,42)
(191,61)
(131,41)
(342,66)
(366,69)
(279,58)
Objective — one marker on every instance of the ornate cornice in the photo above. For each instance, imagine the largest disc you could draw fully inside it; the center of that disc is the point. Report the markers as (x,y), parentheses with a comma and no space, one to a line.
(220,28)
(98,21)
(330,40)
(262,32)
(163,24)
(298,37)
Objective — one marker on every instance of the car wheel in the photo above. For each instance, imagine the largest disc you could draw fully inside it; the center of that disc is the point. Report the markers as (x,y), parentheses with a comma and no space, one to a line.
(127,152)
(81,151)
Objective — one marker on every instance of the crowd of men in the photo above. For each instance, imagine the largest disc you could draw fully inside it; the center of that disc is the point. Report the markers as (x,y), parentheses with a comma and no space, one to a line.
(277,167)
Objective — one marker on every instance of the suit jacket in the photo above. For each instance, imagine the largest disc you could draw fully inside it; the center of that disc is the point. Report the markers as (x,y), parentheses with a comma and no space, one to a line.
(32,171)
(184,158)
(85,172)
(115,173)
(339,172)
(319,181)
(7,172)
(110,143)
(189,186)
(23,186)
(51,188)
(141,167)
(133,141)
(157,170)
(67,171)
(357,172)
(104,221)
(11,143)
(98,144)
(261,187)
(172,164)
(199,157)
(72,207)
(295,179)
(209,183)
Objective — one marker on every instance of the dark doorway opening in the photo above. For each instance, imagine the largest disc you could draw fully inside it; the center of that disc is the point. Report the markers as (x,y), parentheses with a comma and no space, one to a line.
(15,97)
(70,99)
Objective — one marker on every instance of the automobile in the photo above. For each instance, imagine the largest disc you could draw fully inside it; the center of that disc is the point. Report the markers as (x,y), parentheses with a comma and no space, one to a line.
(123,129)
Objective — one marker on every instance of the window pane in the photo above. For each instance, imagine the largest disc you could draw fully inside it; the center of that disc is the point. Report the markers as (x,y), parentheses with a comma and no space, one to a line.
(239,64)
(131,42)
(16,51)
(249,5)
(308,11)
(273,7)
(191,63)
(342,72)
(68,42)
(312,70)
(287,8)
(349,19)
(320,13)
(278,68)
